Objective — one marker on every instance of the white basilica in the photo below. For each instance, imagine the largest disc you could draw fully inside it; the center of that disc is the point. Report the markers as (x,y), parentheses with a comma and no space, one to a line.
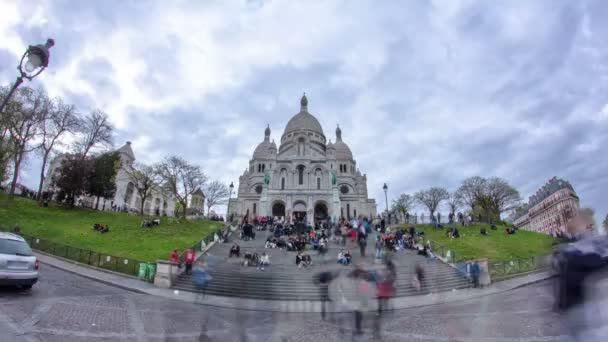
(306,178)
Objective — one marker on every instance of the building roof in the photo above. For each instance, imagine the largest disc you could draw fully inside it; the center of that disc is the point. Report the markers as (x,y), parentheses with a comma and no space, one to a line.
(553,185)
(126,149)
(199,192)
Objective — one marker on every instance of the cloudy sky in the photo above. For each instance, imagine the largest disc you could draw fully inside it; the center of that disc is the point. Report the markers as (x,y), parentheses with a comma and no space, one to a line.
(426,92)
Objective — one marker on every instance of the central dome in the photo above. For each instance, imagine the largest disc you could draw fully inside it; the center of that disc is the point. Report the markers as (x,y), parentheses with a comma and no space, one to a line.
(303,120)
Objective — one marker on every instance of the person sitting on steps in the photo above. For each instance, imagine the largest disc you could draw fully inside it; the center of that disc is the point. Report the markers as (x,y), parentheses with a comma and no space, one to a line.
(264,261)
(235,250)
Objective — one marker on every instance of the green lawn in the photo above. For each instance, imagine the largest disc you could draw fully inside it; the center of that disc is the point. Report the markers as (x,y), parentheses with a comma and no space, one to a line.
(74,227)
(496,246)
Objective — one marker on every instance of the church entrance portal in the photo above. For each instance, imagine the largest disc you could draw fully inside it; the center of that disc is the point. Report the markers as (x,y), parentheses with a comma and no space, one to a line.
(299,211)
(278,209)
(320,212)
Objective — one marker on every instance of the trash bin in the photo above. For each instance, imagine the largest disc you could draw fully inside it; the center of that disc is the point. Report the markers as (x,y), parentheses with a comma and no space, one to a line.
(143,268)
(151,272)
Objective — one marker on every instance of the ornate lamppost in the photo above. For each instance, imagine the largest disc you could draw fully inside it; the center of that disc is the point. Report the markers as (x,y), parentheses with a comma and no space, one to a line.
(229,197)
(37,60)
(385,188)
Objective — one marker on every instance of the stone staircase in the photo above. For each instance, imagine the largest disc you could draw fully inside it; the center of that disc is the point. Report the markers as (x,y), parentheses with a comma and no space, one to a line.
(284,281)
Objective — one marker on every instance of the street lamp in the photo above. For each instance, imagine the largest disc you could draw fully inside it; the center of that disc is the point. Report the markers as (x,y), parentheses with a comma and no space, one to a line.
(229,197)
(385,188)
(37,60)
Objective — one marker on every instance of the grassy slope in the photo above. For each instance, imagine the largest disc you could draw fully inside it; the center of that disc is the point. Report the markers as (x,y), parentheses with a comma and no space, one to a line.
(74,227)
(497,246)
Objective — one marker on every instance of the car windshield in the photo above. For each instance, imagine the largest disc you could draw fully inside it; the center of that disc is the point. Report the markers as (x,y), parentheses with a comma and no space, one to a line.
(14,247)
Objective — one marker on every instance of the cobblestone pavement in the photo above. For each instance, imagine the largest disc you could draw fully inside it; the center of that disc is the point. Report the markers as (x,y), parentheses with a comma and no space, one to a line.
(66,307)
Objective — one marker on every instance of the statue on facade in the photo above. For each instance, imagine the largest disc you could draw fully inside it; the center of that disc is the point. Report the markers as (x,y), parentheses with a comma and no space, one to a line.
(334,181)
(266,178)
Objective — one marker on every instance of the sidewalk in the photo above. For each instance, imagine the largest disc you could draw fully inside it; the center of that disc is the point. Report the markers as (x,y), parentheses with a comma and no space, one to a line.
(136,285)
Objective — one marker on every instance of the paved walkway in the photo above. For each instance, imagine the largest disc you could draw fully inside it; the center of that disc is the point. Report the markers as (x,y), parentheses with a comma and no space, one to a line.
(65,307)
(136,285)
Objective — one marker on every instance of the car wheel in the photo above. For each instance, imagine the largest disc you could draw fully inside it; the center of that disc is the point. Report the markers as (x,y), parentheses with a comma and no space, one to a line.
(26,287)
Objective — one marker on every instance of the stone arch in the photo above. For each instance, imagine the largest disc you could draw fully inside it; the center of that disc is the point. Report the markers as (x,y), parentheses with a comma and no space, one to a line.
(299,211)
(321,210)
(278,209)
(129,193)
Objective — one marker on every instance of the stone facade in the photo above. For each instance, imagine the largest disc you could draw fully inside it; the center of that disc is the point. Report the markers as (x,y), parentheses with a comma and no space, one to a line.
(160,202)
(550,208)
(306,178)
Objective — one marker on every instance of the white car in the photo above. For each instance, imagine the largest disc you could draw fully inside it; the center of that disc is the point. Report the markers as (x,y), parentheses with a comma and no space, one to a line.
(18,265)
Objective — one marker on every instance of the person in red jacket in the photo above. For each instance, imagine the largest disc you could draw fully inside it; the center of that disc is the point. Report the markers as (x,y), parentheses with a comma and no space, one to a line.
(190,256)
(174,257)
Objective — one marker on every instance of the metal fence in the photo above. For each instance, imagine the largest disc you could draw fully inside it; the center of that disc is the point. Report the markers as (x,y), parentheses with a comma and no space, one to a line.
(449,255)
(102,260)
(199,246)
(505,269)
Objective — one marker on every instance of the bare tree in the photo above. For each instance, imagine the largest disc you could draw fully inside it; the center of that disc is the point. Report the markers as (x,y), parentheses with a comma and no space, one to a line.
(181,178)
(145,178)
(216,193)
(25,114)
(403,204)
(454,202)
(471,190)
(431,198)
(500,196)
(61,119)
(96,130)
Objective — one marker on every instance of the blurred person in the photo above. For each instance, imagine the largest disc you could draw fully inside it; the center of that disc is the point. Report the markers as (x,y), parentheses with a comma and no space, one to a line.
(201,277)
(174,258)
(189,258)
(362,240)
(323,280)
(580,266)
(418,281)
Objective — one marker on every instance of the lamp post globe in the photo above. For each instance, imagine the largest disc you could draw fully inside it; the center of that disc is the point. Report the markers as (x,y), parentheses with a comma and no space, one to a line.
(33,62)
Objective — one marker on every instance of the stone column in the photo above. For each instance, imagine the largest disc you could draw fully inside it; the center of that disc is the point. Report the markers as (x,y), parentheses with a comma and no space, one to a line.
(166,272)
(335,203)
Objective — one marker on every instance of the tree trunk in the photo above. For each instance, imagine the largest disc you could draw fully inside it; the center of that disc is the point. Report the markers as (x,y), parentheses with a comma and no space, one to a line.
(184,207)
(141,207)
(17,165)
(42,170)
(97,204)
(104,205)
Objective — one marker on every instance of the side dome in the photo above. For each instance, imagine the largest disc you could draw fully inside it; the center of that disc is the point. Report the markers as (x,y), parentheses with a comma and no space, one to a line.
(264,151)
(342,151)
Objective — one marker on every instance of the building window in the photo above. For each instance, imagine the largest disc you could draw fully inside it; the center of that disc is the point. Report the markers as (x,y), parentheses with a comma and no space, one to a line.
(254,208)
(283,183)
(348,210)
(301,174)
(318,183)
(258,189)
(263,167)
(344,189)
(355,213)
